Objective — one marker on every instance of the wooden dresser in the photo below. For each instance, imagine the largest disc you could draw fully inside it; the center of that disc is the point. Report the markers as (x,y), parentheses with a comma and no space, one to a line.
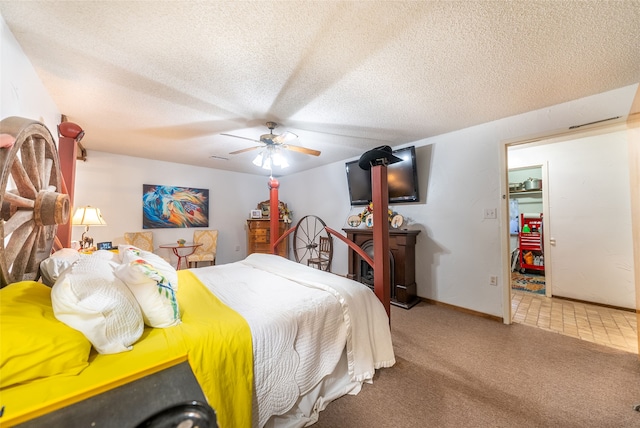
(258,237)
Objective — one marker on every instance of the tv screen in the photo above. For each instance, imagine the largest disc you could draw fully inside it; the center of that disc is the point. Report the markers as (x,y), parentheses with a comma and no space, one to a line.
(402,180)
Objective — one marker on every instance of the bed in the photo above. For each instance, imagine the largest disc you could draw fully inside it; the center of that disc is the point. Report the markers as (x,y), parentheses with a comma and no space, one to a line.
(294,337)
(270,341)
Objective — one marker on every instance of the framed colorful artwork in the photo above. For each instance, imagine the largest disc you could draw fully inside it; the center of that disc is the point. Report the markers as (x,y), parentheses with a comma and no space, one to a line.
(166,207)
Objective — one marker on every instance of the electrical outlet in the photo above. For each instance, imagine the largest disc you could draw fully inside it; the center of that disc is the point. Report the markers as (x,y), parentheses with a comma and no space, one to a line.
(493,280)
(237,247)
(490,213)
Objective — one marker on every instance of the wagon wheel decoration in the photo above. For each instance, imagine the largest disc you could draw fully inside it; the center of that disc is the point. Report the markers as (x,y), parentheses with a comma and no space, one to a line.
(30,206)
(306,239)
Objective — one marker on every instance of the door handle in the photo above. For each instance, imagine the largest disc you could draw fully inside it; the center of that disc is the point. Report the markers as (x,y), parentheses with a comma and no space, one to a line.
(552,241)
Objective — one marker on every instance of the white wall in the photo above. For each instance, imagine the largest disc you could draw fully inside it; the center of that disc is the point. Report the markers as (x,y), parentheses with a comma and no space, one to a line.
(113,183)
(457,249)
(589,216)
(321,192)
(21,91)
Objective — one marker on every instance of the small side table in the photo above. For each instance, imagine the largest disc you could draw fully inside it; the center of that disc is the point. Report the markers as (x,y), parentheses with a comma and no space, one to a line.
(187,249)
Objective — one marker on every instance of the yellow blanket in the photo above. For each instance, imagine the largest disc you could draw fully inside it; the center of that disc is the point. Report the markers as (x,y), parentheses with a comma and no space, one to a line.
(215,339)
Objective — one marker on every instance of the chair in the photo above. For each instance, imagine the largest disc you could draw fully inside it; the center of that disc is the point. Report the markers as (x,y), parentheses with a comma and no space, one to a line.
(325,254)
(142,240)
(207,251)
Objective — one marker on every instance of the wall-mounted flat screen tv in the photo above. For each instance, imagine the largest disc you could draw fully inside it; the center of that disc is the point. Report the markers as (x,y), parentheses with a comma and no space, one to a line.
(402,179)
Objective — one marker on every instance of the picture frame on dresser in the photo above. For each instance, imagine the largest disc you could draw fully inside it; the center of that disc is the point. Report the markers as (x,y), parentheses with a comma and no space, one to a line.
(255,214)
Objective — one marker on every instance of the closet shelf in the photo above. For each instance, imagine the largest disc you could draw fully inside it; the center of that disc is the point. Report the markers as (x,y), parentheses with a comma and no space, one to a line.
(526,193)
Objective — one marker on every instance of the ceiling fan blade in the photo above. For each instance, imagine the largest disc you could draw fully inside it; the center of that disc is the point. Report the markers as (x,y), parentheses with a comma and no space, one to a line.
(302,150)
(244,138)
(284,137)
(237,152)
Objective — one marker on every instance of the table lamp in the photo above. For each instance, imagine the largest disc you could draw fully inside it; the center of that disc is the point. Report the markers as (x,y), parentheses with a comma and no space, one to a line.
(87,216)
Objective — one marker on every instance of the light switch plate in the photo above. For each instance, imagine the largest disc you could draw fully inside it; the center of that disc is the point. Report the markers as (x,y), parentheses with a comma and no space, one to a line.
(490,213)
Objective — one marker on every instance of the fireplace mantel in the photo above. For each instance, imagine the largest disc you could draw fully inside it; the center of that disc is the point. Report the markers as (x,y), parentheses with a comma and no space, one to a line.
(402,247)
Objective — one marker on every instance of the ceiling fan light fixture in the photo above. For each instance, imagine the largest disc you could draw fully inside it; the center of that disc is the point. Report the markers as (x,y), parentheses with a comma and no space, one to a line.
(258,160)
(271,148)
(266,163)
(263,160)
(269,157)
(278,159)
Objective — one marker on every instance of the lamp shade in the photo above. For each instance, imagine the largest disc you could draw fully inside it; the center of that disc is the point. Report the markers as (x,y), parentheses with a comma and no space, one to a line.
(88,216)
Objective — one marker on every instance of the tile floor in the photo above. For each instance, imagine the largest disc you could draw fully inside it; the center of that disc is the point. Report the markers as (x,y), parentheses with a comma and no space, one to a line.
(605,326)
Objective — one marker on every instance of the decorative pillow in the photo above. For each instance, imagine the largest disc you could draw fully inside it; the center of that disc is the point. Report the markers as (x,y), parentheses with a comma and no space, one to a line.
(58,262)
(153,291)
(129,253)
(34,343)
(90,298)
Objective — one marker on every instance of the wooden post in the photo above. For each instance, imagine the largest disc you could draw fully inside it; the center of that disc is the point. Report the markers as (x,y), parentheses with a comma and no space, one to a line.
(67,151)
(274,214)
(381,262)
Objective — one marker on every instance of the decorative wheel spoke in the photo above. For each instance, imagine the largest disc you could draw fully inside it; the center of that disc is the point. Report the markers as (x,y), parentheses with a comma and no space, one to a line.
(306,238)
(21,242)
(30,162)
(22,180)
(30,208)
(18,201)
(18,220)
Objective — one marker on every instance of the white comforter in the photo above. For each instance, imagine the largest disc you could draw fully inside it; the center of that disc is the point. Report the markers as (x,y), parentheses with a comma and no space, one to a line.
(301,319)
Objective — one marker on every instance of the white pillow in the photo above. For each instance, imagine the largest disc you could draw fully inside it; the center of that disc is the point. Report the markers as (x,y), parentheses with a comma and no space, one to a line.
(129,253)
(153,291)
(89,298)
(106,255)
(58,262)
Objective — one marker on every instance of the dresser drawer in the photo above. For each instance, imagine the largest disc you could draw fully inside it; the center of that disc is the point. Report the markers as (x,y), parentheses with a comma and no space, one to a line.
(259,237)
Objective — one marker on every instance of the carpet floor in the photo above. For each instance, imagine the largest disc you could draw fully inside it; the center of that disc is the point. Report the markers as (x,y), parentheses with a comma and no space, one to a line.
(459,370)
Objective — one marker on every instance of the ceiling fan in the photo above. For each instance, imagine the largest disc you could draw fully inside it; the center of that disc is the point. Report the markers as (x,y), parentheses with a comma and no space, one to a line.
(273,142)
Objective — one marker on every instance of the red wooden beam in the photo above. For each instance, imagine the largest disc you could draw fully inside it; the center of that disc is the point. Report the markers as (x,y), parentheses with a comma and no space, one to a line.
(381,262)
(355,247)
(282,237)
(67,152)
(274,213)
(331,232)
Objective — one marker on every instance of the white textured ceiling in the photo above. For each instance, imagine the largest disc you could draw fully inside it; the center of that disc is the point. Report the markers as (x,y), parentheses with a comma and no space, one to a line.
(163,79)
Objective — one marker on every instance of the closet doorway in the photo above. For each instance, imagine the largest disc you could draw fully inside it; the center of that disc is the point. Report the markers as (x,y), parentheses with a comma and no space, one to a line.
(588,249)
(527,206)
